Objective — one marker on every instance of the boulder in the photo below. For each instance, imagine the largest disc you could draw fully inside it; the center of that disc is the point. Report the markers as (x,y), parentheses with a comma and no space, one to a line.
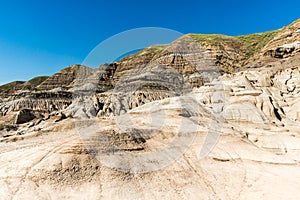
(24,116)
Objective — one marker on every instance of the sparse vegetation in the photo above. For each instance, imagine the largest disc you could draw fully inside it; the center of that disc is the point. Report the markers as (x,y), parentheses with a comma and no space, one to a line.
(221,42)
(72,68)
(33,83)
(155,49)
(11,86)
(255,42)
(158,48)
(208,36)
(251,43)
(18,85)
(38,80)
(7,127)
(246,44)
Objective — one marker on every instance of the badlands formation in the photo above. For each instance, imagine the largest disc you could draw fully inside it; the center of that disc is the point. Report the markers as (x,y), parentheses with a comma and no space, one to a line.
(205,117)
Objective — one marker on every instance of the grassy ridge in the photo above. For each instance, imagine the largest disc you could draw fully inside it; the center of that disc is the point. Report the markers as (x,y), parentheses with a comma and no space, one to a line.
(152,50)
(250,44)
(255,42)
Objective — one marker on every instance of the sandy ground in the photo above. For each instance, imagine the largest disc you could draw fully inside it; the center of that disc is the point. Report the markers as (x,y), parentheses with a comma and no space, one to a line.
(56,165)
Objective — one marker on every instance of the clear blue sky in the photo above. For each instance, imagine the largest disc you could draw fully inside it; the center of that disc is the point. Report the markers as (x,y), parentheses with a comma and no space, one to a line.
(42,37)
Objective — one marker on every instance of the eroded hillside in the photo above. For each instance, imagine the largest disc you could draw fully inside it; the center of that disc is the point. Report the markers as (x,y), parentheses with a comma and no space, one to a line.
(205,117)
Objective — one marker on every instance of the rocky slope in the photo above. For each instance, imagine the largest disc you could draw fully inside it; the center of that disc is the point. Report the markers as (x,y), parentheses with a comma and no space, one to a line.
(160,124)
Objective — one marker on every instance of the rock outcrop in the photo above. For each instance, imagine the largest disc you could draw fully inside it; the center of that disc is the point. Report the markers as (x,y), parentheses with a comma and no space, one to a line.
(163,71)
(24,116)
(63,79)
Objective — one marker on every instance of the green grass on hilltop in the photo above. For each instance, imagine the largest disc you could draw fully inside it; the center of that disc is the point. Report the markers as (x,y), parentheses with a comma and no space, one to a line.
(250,44)
(255,42)
(152,50)
(158,48)
(246,44)
(221,42)
(208,36)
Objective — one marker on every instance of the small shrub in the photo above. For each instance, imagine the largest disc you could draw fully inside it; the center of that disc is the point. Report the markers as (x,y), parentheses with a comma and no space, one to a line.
(7,127)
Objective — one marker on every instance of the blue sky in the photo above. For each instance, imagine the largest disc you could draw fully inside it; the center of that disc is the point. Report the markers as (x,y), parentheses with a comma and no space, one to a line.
(42,37)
